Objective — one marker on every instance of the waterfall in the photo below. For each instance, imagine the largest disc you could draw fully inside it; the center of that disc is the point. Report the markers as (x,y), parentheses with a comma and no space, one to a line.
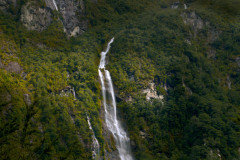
(95,144)
(109,102)
(185,6)
(74,93)
(55,5)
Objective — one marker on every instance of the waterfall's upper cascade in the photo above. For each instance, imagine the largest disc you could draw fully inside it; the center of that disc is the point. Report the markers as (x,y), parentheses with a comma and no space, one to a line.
(185,6)
(95,144)
(103,55)
(114,126)
(55,5)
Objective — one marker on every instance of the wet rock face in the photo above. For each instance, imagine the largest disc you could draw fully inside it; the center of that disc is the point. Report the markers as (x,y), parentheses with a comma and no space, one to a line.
(35,18)
(73,13)
(111,151)
(6,4)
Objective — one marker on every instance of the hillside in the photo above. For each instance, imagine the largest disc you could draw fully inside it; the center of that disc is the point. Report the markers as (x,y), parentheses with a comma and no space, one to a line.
(175,69)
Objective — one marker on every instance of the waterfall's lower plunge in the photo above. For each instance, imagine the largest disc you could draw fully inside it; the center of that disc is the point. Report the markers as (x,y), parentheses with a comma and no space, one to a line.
(114,126)
(95,145)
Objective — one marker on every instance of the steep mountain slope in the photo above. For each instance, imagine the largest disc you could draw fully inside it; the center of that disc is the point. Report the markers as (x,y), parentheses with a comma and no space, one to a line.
(175,67)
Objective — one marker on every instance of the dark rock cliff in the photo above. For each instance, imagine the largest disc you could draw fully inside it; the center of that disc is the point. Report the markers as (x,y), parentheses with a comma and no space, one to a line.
(73,15)
(38,15)
(5,5)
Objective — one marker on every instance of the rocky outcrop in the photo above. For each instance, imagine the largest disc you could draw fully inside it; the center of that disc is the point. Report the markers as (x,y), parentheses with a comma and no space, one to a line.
(73,15)
(128,99)
(27,99)
(197,24)
(51,4)
(111,151)
(34,17)
(151,92)
(144,135)
(68,90)
(12,67)
(192,19)
(214,154)
(175,5)
(5,5)
(187,89)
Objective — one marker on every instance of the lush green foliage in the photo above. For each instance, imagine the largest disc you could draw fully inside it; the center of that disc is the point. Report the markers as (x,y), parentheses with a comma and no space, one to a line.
(54,126)
(200,115)
(198,119)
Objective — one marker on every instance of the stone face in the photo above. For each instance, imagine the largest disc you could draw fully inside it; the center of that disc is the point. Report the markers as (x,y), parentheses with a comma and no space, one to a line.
(68,90)
(35,18)
(197,24)
(175,5)
(6,4)
(143,134)
(73,13)
(14,67)
(27,99)
(190,18)
(128,99)
(151,92)
(75,31)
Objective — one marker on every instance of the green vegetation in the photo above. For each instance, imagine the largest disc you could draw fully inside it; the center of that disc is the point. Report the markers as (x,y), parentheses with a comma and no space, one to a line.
(53,126)
(198,118)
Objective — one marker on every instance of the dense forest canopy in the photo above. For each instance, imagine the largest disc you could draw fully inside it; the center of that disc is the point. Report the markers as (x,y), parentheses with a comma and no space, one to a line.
(191,56)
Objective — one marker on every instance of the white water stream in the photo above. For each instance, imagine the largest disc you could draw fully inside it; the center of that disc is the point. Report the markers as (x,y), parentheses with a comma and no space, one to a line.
(74,93)
(95,144)
(114,126)
(55,5)
(185,6)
